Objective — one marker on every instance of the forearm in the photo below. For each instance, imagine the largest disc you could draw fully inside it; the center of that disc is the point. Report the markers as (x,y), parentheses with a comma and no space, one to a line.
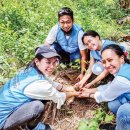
(91,95)
(83,65)
(86,77)
(87,93)
(92,90)
(111,91)
(70,94)
(100,77)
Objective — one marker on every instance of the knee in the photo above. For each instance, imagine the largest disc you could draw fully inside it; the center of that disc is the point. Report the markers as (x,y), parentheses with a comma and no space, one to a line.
(97,68)
(123,111)
(123,116)
(113,107)
(38,107)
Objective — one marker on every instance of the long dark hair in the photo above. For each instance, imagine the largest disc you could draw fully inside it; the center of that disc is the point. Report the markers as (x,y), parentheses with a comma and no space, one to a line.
(33,64)
(118,50)
(90,33)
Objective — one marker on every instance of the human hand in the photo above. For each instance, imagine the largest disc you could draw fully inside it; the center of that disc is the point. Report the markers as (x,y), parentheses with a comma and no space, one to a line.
(72,94)
(79,85)
(70,100)
(84,94)
(80,77)
(89,85)
(69,89)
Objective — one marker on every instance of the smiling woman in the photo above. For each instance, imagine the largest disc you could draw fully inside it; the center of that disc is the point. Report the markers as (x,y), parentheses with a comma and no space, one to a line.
(116,93)
(26,91)
(91,39)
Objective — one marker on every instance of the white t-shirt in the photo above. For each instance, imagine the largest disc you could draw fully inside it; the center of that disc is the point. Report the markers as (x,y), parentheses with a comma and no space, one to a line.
(53,33)
(45,90)
(112,90)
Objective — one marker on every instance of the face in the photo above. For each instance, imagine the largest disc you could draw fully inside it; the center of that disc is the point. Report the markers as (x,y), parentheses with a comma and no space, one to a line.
(92,43)
(47,65)
(111,61)
(66,23)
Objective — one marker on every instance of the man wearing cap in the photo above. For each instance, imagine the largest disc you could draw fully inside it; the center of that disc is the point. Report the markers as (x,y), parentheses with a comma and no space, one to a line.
(66,38)
(21,98)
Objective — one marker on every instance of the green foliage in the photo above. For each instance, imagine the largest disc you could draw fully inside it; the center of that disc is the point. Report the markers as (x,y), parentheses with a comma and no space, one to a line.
(24,24)
(75,64)
(99,116)
(88,125)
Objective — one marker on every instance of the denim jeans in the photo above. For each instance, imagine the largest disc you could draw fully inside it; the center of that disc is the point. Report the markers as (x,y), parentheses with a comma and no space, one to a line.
(121,108)
(29,113)
(65,56)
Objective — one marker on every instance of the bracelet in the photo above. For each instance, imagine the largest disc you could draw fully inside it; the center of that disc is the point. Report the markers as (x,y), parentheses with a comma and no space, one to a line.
(61,88)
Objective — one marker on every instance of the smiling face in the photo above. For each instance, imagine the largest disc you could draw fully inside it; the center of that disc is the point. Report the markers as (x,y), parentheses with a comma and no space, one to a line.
(66,23)
(111,61)
(92,43)
(47,65)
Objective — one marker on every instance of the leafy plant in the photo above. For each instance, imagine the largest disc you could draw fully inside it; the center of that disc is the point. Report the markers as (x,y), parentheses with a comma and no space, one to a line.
(99,116)
(25,25)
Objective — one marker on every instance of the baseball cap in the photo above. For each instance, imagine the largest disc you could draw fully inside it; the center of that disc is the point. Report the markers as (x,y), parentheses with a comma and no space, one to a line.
(46,51)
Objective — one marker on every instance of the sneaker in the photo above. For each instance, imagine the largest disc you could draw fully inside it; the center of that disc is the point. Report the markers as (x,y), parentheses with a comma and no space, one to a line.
(41,126)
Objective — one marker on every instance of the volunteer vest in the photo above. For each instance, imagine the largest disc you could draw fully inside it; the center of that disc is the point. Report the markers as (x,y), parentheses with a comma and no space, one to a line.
(70,45)
(97,54)
(125,72)
(12,95)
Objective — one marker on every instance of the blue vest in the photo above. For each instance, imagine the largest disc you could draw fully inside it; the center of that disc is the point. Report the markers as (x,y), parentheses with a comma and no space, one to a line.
(70,45)
(96,54)
(11,94)
(125,72)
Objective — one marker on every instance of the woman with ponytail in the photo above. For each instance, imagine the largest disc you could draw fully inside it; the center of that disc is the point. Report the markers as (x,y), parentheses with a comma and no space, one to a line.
(21,98)
(116,93)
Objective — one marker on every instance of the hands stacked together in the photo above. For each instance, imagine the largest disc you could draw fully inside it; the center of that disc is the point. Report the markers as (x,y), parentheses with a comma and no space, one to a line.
(79,91)
(84,91)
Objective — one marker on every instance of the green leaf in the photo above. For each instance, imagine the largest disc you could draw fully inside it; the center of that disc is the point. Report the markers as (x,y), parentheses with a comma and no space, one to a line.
(109,118)
(83,126)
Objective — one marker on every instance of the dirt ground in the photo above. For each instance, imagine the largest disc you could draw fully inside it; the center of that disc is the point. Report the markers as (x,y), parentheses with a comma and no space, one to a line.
(68,117)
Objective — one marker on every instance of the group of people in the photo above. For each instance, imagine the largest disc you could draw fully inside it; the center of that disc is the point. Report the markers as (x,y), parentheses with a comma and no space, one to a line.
(23,97)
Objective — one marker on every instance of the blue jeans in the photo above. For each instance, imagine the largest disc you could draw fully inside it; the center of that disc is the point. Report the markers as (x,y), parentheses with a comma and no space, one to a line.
(29,113)
(121,108)
(65,56)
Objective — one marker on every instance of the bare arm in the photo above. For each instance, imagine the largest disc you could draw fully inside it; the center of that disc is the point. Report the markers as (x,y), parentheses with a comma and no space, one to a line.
(98,78)
(83,63)
(68,90)
(87,75)
(52,35)
(87,93)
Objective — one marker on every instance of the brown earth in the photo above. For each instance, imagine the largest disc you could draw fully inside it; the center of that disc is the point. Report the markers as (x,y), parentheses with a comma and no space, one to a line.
(68,117)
